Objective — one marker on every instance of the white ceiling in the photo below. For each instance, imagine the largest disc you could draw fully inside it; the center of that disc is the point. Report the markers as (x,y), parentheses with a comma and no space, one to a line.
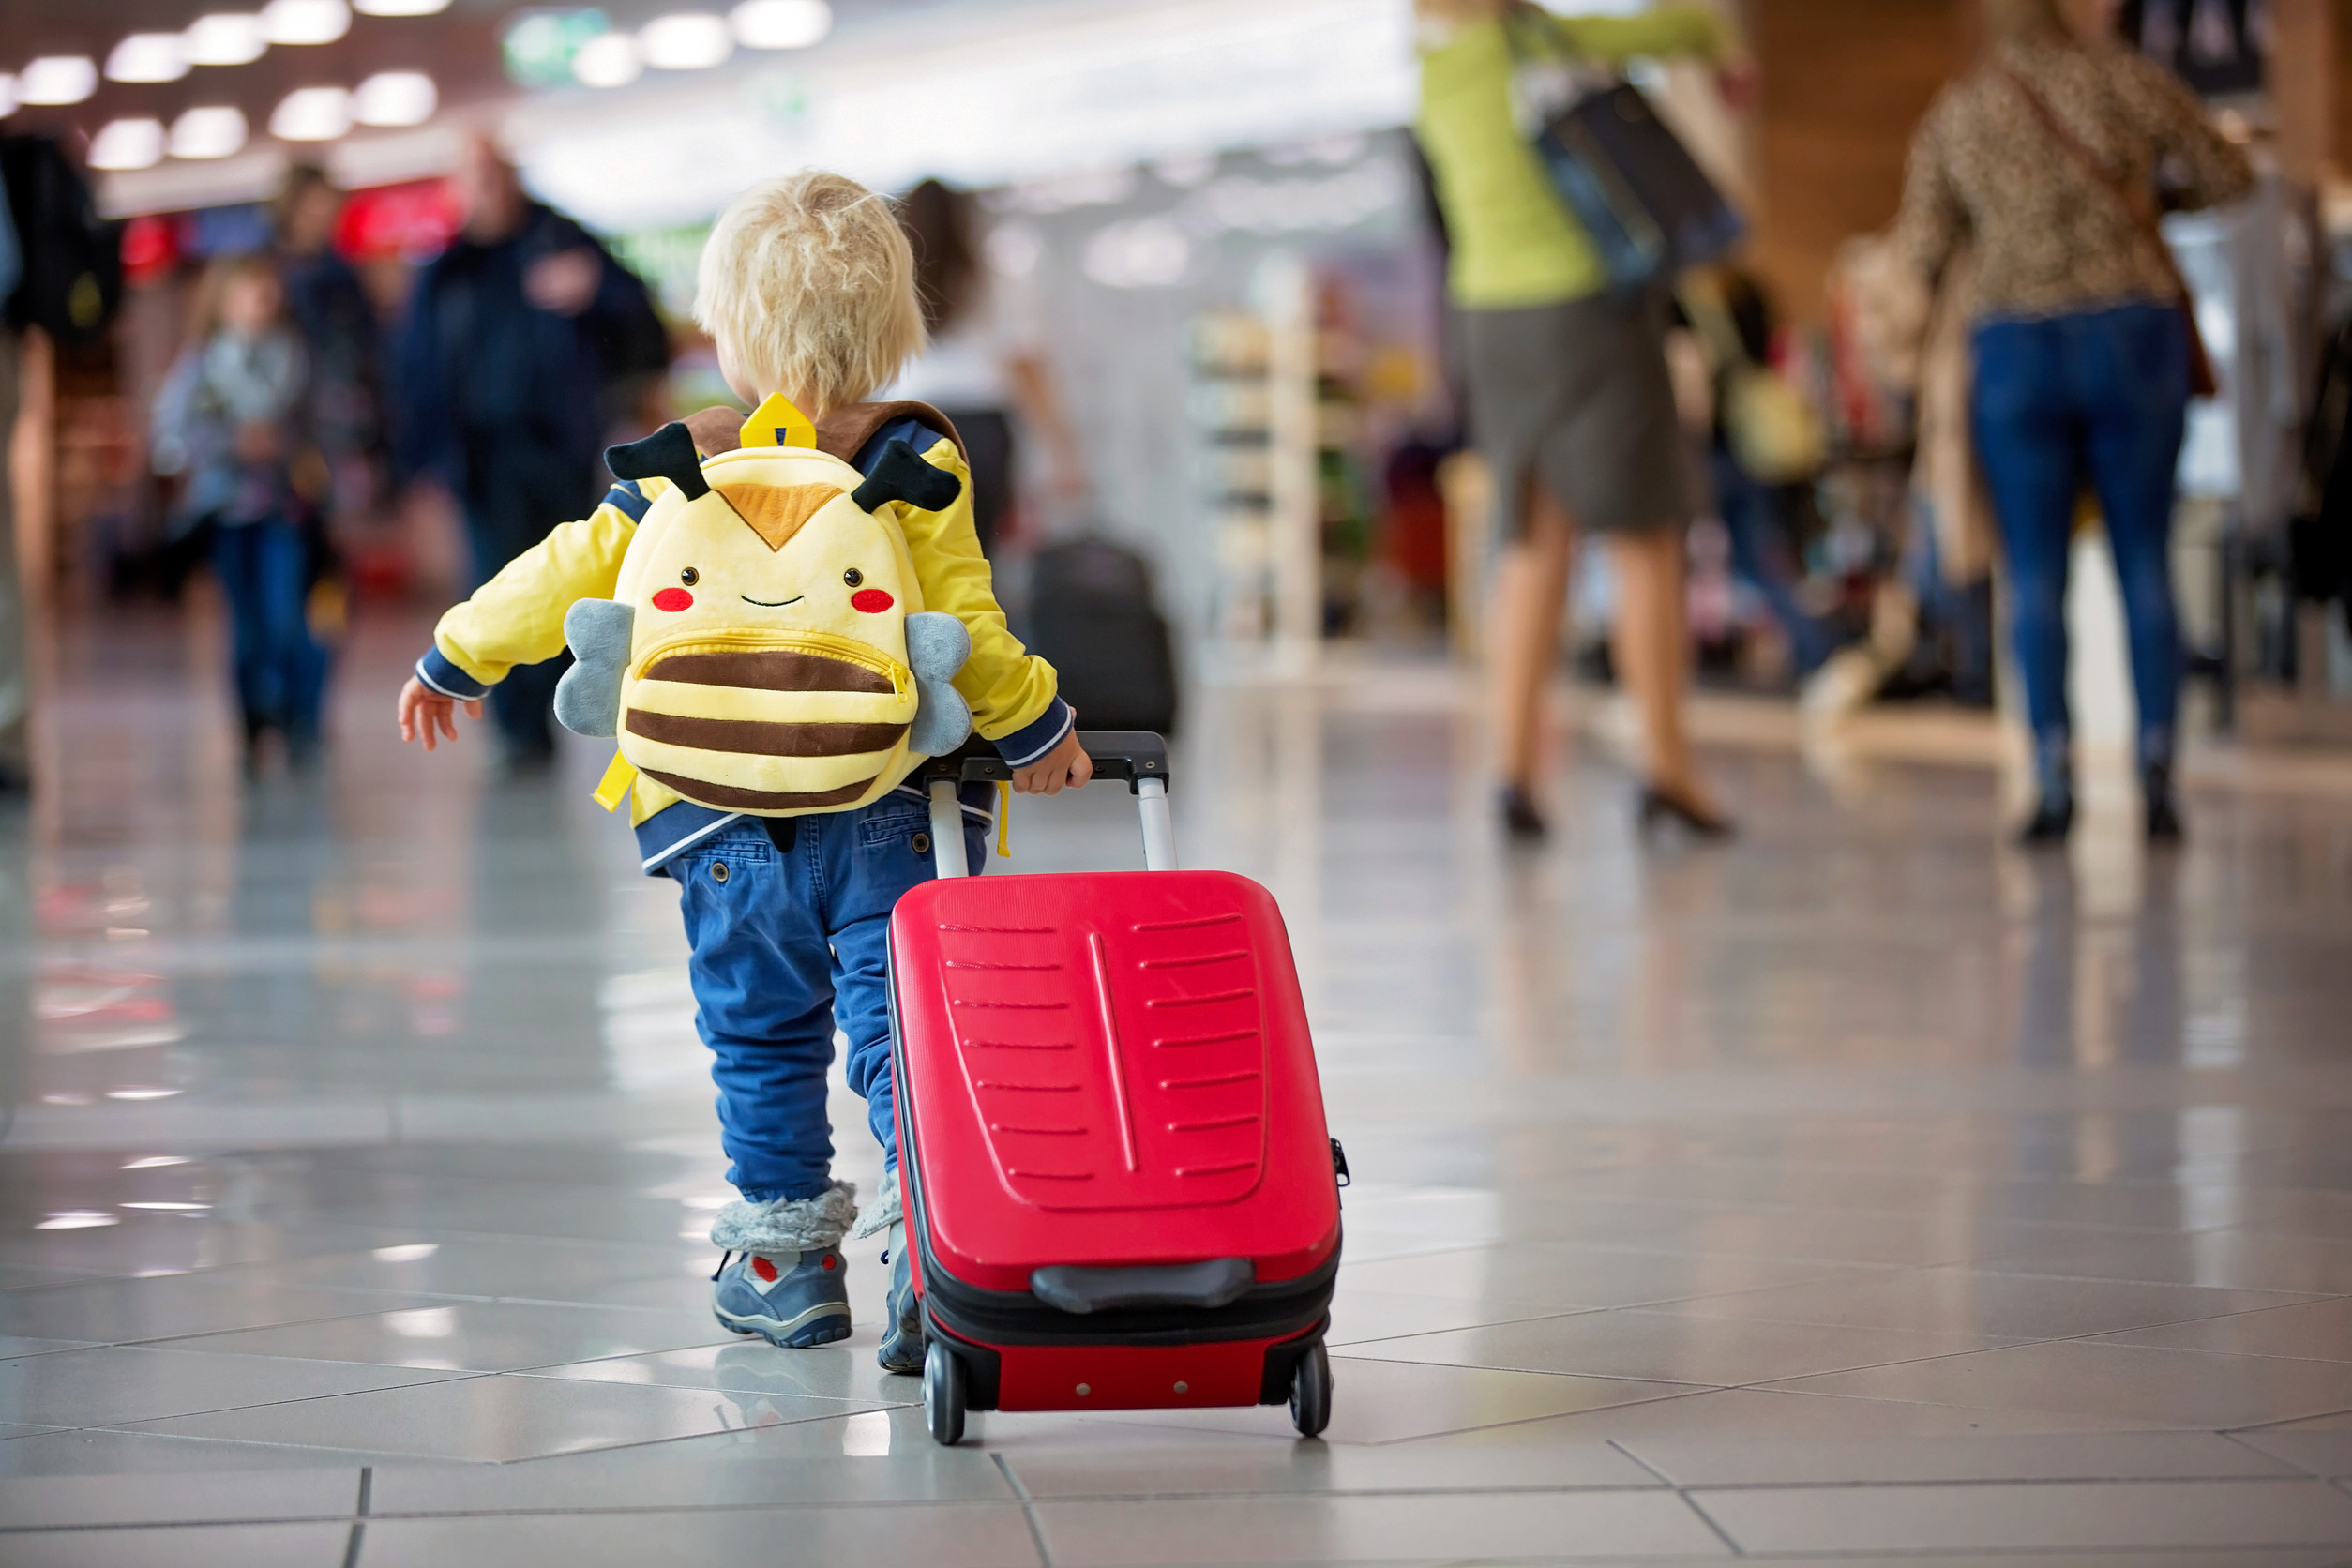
(982,96)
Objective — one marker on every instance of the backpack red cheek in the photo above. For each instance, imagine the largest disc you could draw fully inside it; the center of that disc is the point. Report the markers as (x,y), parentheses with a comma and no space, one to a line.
(873,602)
(673,599)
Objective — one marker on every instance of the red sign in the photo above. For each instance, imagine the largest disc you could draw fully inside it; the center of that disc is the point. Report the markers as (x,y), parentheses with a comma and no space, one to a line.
(413,222)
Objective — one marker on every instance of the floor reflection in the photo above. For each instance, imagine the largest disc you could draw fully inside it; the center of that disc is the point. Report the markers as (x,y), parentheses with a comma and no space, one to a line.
(359,1120)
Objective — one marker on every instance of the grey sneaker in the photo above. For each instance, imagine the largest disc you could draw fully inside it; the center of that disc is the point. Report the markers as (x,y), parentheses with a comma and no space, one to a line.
(902,1317)
(791,1299)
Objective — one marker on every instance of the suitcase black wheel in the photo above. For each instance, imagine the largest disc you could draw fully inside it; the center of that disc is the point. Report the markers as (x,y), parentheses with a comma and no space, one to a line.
(943,1394)
(1310,1393)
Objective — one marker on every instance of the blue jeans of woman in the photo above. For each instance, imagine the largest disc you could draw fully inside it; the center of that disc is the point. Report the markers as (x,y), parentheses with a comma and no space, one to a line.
(789,932)
(265,572)
(2102,396)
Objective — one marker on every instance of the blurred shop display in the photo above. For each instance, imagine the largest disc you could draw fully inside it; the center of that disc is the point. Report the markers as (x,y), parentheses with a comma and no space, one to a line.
(1278,405)
(2286,625)
(1243,463)
(2215,46)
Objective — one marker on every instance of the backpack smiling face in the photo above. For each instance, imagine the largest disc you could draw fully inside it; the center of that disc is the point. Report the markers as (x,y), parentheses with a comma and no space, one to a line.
(768,668)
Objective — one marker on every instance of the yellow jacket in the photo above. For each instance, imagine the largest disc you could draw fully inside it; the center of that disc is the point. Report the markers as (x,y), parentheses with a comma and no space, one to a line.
(517,617)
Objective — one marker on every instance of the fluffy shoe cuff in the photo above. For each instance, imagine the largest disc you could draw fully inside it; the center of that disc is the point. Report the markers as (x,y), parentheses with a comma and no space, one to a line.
(787,1224)
(883,1215)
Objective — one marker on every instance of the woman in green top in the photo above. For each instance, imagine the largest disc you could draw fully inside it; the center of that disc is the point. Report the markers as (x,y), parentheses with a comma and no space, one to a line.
(1569,398)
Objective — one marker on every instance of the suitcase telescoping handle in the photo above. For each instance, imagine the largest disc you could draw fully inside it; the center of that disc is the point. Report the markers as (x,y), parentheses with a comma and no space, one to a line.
(1137,756)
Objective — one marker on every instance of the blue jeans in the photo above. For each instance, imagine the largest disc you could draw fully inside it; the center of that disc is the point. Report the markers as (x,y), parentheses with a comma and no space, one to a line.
(264,573)
(1764,554)
(788,942)
(2102,395)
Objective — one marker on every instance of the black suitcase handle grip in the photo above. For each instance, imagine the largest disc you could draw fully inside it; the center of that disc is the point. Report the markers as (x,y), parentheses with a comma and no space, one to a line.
(1217,1282)
(1129,755)
(1132,755)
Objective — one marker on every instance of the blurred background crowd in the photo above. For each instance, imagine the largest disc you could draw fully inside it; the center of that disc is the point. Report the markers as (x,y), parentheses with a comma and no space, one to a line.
(1276,344)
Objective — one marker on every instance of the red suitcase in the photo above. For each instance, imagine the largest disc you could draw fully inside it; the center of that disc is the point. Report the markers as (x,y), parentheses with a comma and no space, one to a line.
(1119,1187)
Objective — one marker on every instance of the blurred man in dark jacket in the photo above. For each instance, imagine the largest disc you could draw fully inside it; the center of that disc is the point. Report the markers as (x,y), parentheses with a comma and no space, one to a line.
(522,342)
(341,336)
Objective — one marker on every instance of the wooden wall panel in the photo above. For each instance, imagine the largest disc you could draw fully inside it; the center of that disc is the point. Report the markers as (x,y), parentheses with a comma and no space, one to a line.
(1842,84)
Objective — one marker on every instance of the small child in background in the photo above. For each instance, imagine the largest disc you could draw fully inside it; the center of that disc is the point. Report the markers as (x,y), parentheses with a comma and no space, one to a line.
(230,418)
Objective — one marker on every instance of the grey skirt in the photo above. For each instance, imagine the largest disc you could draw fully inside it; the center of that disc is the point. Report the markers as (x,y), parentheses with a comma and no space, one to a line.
(1577,395)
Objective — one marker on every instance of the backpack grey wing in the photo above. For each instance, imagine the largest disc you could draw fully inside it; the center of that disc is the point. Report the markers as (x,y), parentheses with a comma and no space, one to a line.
(936,647)
(588,697)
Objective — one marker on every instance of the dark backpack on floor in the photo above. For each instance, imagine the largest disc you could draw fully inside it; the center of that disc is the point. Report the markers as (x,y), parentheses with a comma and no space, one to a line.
(1092,617)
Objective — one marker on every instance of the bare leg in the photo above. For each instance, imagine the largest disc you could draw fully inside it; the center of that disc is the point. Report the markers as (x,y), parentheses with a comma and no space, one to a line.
(1650,644)
(1530,590)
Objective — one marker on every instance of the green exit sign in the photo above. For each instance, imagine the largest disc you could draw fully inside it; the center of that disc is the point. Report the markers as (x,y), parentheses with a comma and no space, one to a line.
(538,46)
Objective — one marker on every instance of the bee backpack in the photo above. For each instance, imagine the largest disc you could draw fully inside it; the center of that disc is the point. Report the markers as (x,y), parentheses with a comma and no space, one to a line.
(766,649)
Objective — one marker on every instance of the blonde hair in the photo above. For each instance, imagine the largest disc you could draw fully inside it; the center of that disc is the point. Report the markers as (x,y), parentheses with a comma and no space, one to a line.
(810,281)
(211,298)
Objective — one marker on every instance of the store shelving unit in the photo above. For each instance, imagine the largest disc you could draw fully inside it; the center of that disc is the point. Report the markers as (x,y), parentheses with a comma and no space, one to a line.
(1276,427)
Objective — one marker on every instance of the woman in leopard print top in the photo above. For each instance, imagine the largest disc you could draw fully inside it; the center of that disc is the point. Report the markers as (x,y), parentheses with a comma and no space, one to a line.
(2047,156)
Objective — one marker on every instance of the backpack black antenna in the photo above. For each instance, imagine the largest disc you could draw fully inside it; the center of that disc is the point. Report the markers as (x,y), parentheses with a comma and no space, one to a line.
(900,475)
(666,454)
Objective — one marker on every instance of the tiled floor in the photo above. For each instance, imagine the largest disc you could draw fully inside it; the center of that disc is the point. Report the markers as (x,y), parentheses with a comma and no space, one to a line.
(1862,1191)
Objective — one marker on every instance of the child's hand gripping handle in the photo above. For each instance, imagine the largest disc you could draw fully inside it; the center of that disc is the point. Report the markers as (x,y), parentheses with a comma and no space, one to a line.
(1137,756)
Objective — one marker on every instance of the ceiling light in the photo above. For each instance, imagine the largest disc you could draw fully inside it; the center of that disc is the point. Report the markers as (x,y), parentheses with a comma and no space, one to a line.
(689,40)
(607,60)
(148,57)
(213,132)
(780,24)
(225,38)
(305,20)
(128,145)
(395,97)
(311,114)
(399,7)
(57,79)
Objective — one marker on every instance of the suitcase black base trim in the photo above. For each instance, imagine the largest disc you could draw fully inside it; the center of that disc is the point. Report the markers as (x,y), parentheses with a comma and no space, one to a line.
(984,1366)
(1020,1317)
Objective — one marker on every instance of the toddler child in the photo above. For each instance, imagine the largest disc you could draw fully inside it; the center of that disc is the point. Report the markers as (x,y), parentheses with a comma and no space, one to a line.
(807,289)
(230,416)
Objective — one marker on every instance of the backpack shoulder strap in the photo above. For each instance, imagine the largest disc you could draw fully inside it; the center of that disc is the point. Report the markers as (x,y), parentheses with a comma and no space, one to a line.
(843,432)
(716,429)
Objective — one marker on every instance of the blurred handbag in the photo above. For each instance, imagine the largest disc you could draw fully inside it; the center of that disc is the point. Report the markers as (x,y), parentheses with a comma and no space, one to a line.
(1644,201)
(1775,435)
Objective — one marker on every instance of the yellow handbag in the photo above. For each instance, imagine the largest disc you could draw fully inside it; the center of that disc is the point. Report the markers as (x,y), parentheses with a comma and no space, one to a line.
(1775,435)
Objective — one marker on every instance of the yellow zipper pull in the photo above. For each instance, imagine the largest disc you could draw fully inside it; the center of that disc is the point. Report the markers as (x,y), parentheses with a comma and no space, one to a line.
(1004,820)
(614,787)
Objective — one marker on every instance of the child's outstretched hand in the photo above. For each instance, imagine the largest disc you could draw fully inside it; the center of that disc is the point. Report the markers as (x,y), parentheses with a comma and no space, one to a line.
(425,711)
(1065,765)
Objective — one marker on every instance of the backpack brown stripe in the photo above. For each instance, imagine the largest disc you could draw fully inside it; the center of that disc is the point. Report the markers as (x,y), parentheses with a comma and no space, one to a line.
(728,797)
(770,669)
(762,738)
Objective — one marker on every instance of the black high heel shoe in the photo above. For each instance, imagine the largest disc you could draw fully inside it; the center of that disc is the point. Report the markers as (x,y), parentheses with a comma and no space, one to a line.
(1659,808)
(2162,819)
(1521,821)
